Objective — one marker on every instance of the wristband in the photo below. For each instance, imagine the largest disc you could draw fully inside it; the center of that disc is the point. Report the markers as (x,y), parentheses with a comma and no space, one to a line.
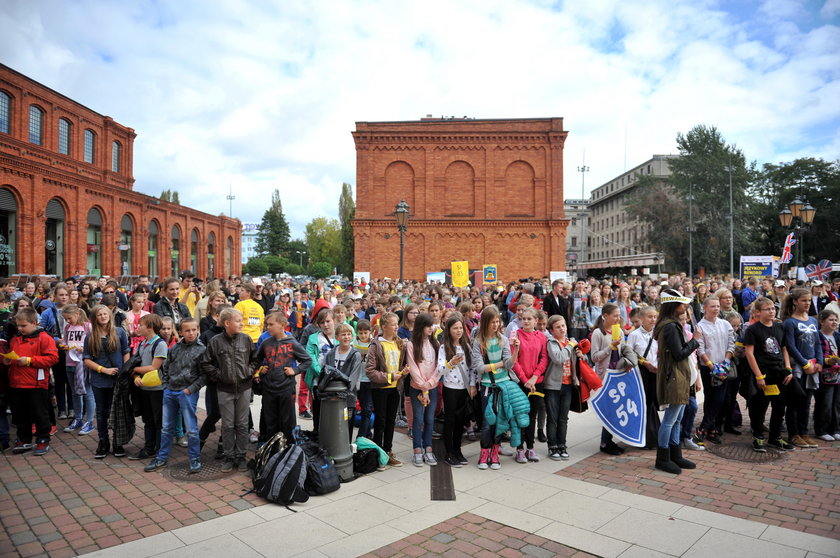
(28,361)
(760,377)
(709,364)
(807,365)
(790,370)
(492,367)
(449,365)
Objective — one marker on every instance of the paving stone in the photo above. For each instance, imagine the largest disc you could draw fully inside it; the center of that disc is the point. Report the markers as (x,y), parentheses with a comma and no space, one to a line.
(444,538)
(537,551)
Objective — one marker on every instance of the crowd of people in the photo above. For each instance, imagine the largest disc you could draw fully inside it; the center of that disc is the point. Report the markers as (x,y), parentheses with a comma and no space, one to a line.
(501,364)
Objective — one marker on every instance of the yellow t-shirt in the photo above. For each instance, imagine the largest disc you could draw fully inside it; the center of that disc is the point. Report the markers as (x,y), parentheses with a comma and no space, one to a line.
(191,300)
(392,360)
(253,317)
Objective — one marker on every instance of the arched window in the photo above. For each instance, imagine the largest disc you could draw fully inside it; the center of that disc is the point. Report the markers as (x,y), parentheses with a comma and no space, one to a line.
(175,250)
(90,146)
(194,251)
(5,111)
(125,246)
(154,231)
(211,255)
(54,246)
(64,128)
(229,255)
(94,242)
(8,232)
(115,156)
(36,125)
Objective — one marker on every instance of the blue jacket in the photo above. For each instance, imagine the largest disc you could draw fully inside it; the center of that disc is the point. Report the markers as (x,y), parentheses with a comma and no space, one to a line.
(513,409)
(50,321)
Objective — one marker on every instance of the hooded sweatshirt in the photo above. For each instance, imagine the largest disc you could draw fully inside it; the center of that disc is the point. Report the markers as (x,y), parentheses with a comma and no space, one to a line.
(533,358)
(424,375)
(277,354)
(41,348)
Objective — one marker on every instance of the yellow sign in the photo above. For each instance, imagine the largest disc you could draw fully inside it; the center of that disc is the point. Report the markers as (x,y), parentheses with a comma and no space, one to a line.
(460,274)
(771,389)
(11,355)
(490,273)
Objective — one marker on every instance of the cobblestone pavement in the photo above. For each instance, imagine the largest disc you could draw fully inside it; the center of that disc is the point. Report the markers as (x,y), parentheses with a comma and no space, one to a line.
(469,535)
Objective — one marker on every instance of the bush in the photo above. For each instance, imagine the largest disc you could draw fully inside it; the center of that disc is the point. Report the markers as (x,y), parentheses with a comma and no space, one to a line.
(255,267)
(320,270)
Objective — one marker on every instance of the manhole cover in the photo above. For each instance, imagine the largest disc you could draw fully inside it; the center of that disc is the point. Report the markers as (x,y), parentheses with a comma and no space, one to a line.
(211,469)
(744,452)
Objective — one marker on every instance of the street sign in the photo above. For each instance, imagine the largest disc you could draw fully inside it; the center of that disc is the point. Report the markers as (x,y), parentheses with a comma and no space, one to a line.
(620,405)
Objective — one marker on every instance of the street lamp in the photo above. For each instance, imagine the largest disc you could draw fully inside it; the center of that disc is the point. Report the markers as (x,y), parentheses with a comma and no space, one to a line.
(401,213)
(658,264)
(798,215)
(301,253)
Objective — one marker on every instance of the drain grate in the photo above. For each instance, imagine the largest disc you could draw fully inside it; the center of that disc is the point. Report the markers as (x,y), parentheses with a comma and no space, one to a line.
(744,452)
(210,470)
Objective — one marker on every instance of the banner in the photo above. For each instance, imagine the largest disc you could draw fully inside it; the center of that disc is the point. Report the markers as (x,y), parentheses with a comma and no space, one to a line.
(490,273)
(460,274)
(361,277)
(436,276)
(757,266)
(620,405)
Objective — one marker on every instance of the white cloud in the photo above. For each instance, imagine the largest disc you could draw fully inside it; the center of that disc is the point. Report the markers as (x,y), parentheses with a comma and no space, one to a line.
(262,96)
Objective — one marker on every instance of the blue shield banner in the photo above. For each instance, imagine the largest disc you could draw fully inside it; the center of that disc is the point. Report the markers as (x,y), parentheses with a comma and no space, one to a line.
(620,405)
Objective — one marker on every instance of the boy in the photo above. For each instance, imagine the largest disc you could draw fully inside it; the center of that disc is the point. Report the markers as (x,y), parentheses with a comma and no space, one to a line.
(29,382)
(347,359)
(361,344)
(340,315)
(283,358)
(228,361)
(181,379)
(153,351)
(767,355)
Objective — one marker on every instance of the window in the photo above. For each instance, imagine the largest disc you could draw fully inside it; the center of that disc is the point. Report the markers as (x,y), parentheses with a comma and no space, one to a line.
(64,136)
(5,109)
(115,156)
(574,242)
(90,138)
(36,125)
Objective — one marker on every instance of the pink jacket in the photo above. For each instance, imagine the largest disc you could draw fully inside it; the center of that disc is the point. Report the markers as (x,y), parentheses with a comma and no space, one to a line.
(533,356)
(424,376)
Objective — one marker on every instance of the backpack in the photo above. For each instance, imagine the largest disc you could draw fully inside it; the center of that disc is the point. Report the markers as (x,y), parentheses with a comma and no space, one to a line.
(321,476)
(274,445)
(283,477)
(365,461)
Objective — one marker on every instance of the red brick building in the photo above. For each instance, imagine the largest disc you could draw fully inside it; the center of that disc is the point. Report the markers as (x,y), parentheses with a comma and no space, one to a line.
(67,204)
(485,191)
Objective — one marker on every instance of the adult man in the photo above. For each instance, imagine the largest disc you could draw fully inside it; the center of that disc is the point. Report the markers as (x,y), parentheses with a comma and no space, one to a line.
(261,297)
(557,302)
(188,293)
(748,297)
(253,315)
(577,311)
(169,305)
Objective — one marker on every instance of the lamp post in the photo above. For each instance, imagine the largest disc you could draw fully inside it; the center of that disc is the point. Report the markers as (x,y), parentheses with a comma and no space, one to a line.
(798,216)
(401,213)
(658,263)
(301,253)
(691,229)
(731,227)
(583,169)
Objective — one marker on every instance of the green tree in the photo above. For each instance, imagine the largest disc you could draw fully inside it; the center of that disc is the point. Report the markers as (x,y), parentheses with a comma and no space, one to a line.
(276,264)
(273,234)
(298,252)
(255,267)
(323,241)
(346,212)
(654,202)
(321,269)
(170,196)
(294,269)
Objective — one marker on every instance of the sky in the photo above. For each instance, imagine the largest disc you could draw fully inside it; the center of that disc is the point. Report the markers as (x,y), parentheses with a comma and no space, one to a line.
(252,96)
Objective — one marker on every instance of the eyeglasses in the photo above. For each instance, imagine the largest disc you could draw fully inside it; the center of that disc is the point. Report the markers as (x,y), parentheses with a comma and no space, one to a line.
(107,292)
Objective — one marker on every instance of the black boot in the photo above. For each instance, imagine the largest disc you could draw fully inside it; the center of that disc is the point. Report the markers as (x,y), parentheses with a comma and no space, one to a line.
(664,463)
(677,458)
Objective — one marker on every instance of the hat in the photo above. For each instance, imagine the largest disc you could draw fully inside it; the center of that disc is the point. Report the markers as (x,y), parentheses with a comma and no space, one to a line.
(779,283)
(664,284)
(257,281)
(816,283)
(670,295)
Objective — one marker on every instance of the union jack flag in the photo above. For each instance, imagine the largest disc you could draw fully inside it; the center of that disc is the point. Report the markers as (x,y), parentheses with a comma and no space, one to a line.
(789,242)
(818,271)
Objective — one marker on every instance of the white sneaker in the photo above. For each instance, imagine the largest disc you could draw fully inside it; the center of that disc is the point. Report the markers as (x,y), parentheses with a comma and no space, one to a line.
(506,451)
(688,443)
(837,436)
(826,437)
(418,460)
(254,437)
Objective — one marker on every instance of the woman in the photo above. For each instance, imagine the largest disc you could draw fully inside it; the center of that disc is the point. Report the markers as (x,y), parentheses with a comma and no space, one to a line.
(673,380)
(86,297)
(607,293)
(727,304)
(593,309)
(804,346)
(385,367)
(625,305)
(423,390)
(459,380)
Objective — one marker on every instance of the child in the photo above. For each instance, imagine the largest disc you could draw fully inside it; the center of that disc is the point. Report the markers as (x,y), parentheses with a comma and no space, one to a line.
(826,420)
(318,345)
(385,366)
(168,332)
(283,358)
(340,315)
(530,367)
(229,361)
(153,352)
(644,345)
(29,378)
(459,380)
(349,361)
(181,379)
(767,355)
(132,321)
(423,389)
(361,344)
(76,329)
(211,400)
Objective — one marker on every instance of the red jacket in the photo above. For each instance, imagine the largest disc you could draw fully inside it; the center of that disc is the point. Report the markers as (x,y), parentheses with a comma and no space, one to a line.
(40,346)
(533,356)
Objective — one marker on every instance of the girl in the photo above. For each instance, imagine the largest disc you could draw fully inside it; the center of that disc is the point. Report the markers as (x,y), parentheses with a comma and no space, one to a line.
(106,349)
(607,293)
(132,320)
(214,303)
(593,309)
(74,297)
(10,329)
(530,366)
(806,355)
(85,297)
(609,353)
(436,310)
(492,358)
(673,380)
(385,366)
(168,332)
(459,380)
(423,387)
(76,329)
(625,305)
(410,314)
(826,424)
(467,311)
(318,345)
(560,379)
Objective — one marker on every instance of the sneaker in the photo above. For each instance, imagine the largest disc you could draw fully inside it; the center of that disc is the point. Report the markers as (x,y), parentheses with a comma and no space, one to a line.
(42,447)
(564,455)
(71,414)
(689,444)
(780,444)
(554,453)
(611,449)
(520,456)
(811,442)
(418,460)
(484,459)
(731,430)
(20,447)
(696,439)
(227,466)
(62,415)
(242,465)
(306,415)
(494,458)
(182,441)
(472,437)
(220,452)
(195,466)
(532,456)
(837,436)
(102,449)
(709,436)
(799,442)
(119,451)
(74,425)
(401,423)
(155,465)
(253,436)
(87,428)
(435,435)
(826,437)
(541,436)
(461,459)
(506,451)
(452,461)
(53,430)
(141,455)
(393,461)
(758,445)
(429,459)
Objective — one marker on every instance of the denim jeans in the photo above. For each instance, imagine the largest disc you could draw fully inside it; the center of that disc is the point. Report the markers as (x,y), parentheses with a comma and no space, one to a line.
(423,419)
(79,401)
(103,398)
(366,403)
(557,404)
(175,404)
(669,430)
(690,413)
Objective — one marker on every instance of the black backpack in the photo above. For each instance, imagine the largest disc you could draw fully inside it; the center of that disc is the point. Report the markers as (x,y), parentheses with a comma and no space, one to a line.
(274,445)
(365,461)
(321,476)
(283,477)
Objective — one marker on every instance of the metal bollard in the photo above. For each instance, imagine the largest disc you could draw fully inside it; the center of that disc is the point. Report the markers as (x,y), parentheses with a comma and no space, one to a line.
(333,431)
